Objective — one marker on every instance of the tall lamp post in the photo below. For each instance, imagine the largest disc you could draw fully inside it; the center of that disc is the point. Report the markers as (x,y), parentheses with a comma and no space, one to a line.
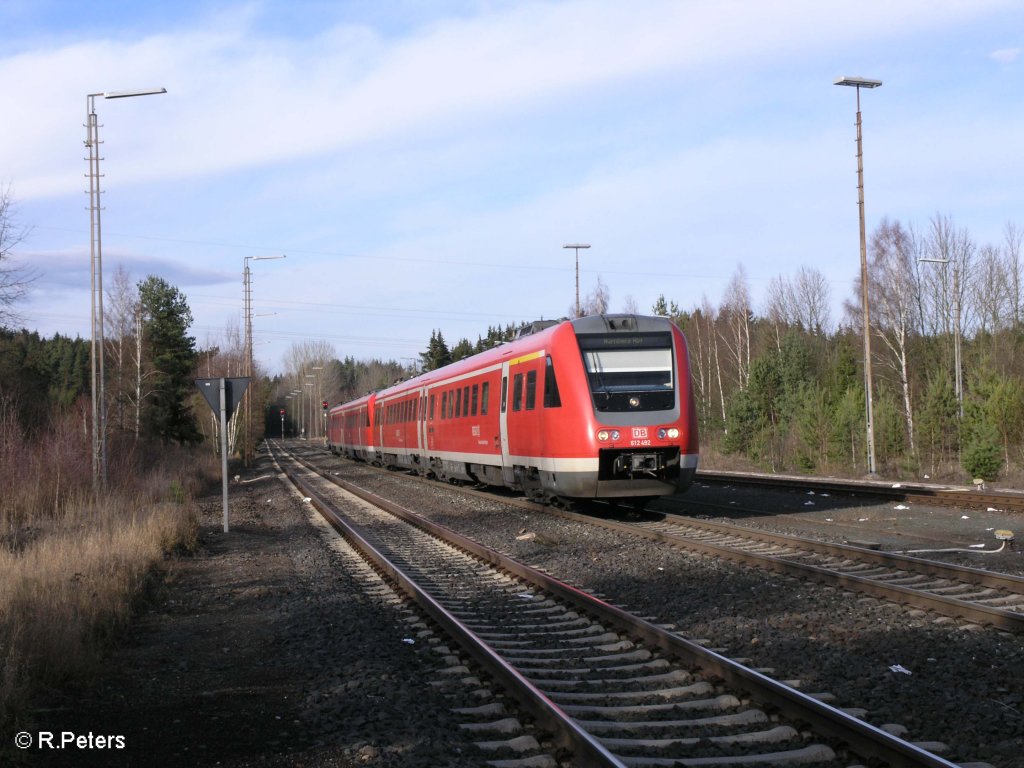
(247,296)
(321,420)
(99,403)
(311,424)
(576,247)
(858,83)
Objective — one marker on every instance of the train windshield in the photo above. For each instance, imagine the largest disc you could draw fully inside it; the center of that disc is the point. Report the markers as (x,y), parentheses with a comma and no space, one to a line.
(629,372)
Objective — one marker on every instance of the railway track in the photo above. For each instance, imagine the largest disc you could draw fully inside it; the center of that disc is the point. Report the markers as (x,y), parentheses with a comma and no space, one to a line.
(974,595)
(615,689)
(951,496)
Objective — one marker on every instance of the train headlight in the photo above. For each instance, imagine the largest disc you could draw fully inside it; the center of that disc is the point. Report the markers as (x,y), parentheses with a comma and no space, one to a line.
(671,433)
(608,434)
(603,435)
(634,402)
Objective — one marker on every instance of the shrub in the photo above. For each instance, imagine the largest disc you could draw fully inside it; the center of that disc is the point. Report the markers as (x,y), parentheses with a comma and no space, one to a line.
(983,456)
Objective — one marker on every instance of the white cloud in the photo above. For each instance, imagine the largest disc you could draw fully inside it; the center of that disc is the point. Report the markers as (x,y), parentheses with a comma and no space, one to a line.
(239,99)
(1005,55)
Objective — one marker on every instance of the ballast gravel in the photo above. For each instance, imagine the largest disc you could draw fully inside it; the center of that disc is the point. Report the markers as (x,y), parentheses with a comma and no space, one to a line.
(943,681)
(263,649)
(266,649)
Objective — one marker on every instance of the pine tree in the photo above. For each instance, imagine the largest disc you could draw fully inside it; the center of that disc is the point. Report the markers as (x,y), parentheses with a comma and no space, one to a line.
(437,354)
(170,354)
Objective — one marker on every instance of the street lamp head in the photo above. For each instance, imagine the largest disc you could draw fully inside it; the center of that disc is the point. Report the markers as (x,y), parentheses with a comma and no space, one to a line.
(126,94)
(857,82)
(576,245)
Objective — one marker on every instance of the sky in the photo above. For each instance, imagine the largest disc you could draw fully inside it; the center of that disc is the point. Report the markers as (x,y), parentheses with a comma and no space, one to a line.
(422,164)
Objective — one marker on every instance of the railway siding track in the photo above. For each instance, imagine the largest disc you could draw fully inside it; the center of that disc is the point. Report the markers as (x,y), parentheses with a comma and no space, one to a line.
(959,497)
(976,595)
(615,688)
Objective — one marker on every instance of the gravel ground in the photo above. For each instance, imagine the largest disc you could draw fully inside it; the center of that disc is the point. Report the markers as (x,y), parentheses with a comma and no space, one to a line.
(266,648)
(962,685)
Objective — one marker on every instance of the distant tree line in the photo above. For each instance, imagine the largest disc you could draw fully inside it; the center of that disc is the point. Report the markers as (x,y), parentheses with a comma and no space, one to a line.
(781,387)
(149,364)
(785,390)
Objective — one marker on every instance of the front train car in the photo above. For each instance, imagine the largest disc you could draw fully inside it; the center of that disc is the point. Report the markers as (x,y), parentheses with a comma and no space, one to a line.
(619,417)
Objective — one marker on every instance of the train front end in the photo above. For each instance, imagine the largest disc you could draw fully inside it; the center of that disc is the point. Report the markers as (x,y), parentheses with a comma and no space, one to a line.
(642,418)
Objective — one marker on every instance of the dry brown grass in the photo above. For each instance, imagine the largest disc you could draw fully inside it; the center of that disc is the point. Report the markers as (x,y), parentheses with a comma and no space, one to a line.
(72,564)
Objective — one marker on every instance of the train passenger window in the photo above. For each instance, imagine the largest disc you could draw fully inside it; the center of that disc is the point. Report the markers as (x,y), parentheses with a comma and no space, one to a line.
(476,393)
(451,404)
(504,392)
(517,392)
(431,407)
(465,400)
(551,396)
(531,390)
(444,405)
(458,403)
(485,390)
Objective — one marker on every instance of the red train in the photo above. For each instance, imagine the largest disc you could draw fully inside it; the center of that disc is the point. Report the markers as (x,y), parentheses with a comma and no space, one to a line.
(597,407)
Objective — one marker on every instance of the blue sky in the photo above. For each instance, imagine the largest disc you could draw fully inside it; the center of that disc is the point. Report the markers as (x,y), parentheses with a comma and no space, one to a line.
(422,163)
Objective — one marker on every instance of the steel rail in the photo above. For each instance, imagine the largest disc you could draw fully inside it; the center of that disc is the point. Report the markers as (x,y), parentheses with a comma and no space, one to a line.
(947,606)
(863,739)
(568,734)
(953,571)
(899,491)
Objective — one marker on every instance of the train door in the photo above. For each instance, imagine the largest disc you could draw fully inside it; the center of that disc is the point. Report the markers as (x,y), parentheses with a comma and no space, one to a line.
(506,461)
(421,421)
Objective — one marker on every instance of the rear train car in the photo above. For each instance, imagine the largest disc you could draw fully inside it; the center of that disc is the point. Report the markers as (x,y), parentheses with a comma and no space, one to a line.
(596,407)
(350,429)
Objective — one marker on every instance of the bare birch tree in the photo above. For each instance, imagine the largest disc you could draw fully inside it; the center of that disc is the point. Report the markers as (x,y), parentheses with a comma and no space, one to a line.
(597,301)
(779,307)
(799,303)
(736,317)
(120,319)
(1012,238)
(893,295)
(811,300)
(714,362)
(14,279)
(990,291)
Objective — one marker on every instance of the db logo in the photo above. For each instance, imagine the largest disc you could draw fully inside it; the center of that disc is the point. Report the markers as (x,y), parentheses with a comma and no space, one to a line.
(639,433)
